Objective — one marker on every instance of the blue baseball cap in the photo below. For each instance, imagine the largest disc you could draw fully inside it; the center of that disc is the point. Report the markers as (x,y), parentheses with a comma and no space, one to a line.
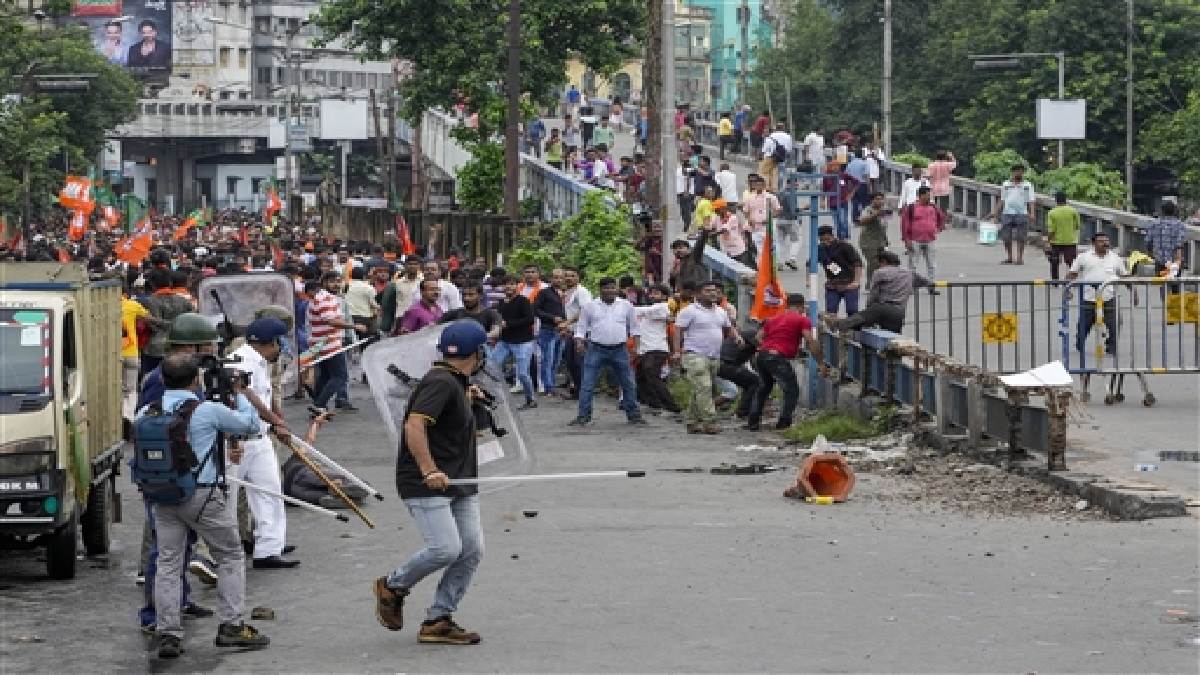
(266,329)
(462,338)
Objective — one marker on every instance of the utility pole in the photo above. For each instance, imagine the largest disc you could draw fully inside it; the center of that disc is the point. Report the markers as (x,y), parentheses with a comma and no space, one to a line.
(669,209)
(1062,92)
(512,156)
(887,79)
(1129,108)
(744,20)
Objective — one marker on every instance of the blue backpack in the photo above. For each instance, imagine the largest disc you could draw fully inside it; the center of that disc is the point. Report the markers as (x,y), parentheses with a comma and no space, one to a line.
(164,466)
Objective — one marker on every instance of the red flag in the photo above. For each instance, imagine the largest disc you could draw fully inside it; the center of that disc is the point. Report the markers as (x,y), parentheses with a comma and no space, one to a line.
(406,243)
(78,226)
(768,292)
(64,256)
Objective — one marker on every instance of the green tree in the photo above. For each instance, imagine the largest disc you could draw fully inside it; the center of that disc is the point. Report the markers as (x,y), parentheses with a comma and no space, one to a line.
(42,128)
(598,240)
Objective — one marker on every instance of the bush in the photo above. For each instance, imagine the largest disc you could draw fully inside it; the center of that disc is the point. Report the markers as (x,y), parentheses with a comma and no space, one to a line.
(597,240)
(996,167)
(834,426)
(912,159)
(1085,182)
(480,182)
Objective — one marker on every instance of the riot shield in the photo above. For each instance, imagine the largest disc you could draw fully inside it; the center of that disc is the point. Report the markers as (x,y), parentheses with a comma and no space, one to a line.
(395,365)
(238,296)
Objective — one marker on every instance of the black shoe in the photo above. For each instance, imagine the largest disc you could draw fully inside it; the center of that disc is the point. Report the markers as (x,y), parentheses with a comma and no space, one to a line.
(783,424)
(274,562)
(248,547)
(529,405)
(791,266)
(934,291)
(288,548)
(752,424)
(580,422)
(347,408)
(194,611)
(637,420)
(240,635)
(169,647)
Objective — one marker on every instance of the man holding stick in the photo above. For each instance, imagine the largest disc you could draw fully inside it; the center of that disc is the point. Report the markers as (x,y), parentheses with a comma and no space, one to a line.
(438,445)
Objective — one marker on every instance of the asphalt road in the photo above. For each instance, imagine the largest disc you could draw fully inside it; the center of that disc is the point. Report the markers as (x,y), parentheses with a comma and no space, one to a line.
(673,572)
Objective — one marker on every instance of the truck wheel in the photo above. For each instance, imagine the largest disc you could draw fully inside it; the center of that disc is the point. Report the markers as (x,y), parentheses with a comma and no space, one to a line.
(97,520)
(60,551)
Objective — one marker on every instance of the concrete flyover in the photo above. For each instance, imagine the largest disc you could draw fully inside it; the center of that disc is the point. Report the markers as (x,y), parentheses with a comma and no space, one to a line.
(1111,439)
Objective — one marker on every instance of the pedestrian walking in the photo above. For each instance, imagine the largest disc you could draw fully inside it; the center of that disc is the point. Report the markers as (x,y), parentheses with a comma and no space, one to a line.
(699,329)
(758,206)
(1062,234)
(726,181)
(439,444)
(908,189)
(724,133)
(327,325)
(843,271)
(814,149)
(605,325)
(741,126)
(1165,237)
(940,170)
(787,226)
(548,308)
(1015,209)
(920,225)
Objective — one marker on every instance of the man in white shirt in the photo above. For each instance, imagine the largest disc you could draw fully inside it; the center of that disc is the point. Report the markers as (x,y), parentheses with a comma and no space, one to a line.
(908,190)
(683,194)
(603,328)
(873,154)
(653,350)
(259,465)
(574,298)
(814,149)
(1093,268)
(449,298)
(727,181)
(776,150)
(699,329)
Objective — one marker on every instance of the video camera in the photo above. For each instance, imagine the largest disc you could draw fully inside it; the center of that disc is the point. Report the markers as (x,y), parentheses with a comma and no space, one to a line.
(221,379)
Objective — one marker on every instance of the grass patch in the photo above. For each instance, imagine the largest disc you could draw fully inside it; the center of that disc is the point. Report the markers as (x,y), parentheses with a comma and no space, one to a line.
(834,426)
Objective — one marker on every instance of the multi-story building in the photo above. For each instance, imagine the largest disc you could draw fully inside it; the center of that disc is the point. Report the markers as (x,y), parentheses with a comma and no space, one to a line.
(739,29)
(214,123)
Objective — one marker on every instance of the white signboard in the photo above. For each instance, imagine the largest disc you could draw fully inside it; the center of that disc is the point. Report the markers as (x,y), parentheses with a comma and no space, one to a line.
(1062,120)
(111,159)
(343,120)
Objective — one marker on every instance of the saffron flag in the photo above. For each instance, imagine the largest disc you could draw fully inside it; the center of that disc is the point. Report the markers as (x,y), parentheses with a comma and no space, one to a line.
(769,299)
(196,217)
(402,234)
(76,194)
(134,248)
(78,225)
(273,205)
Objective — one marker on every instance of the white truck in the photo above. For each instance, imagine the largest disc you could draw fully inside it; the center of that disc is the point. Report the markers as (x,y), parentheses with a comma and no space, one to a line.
(61,430)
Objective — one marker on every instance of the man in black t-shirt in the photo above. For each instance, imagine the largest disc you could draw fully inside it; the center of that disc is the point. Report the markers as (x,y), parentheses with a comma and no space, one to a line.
(437,445)
(472,297)
(843,271)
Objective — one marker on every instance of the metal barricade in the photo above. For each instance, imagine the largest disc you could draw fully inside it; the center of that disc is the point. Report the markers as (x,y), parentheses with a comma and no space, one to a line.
(1132,326)
(1001,327)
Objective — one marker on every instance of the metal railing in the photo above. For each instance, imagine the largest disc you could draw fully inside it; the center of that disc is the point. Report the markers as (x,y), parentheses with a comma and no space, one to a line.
(1001,327)
(1131,326)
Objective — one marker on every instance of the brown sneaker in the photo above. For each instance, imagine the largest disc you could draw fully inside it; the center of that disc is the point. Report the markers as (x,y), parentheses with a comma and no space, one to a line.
(712,429)
(389,605)
(444,631)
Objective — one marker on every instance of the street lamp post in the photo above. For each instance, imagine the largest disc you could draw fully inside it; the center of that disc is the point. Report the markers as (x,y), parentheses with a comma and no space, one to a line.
(1005,61)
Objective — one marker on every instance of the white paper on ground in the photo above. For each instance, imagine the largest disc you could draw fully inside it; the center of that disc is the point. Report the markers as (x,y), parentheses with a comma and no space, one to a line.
(1048,375)
(489,451)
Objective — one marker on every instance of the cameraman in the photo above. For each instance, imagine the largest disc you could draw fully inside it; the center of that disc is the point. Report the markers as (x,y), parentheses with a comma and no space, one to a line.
(264,344)
(207,512)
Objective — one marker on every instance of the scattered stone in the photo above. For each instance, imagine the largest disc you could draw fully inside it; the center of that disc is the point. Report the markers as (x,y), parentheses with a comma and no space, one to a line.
(262,614)
(1081,505)
(28,639)
(514,556)
(530,514)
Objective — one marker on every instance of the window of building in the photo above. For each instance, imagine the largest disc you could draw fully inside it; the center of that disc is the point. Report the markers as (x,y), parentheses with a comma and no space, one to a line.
(280,76)
(231,185)
(225,53)
(318,76)
(262,25)
(224,95)
(335,78)
(255,184)
(360,80)
(264,75)
(243,56)
(373,81)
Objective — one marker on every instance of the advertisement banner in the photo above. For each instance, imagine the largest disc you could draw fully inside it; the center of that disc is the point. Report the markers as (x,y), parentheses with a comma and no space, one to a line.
(135,34)
(193,42)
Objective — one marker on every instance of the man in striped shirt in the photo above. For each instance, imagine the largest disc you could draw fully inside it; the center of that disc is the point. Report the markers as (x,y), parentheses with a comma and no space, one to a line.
(326,324)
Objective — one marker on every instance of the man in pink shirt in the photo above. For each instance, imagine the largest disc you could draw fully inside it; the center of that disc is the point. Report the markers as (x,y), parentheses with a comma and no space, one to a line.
(939,178)
(920,224)
(757,203)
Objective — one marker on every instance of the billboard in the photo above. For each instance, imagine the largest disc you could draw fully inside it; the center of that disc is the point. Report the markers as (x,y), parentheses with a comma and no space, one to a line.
(192,40)
(135,34)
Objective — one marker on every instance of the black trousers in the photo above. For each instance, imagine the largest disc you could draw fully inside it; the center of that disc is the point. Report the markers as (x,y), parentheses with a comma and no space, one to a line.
(879,314)
(746,380)
(651,388)
(574,364)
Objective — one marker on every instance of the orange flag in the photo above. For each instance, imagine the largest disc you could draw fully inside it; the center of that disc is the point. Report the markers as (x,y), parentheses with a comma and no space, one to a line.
(78,226)
(135,248)
(272,207)
(768,293)
(406,242)
(76,194)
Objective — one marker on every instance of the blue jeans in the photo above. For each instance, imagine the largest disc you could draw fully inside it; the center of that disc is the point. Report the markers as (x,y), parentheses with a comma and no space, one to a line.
(1087,320)
(552,350)
(146,614)
(331,378)
(616,358)
(840,222)
(453,540)
(522,353)
(834,297)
